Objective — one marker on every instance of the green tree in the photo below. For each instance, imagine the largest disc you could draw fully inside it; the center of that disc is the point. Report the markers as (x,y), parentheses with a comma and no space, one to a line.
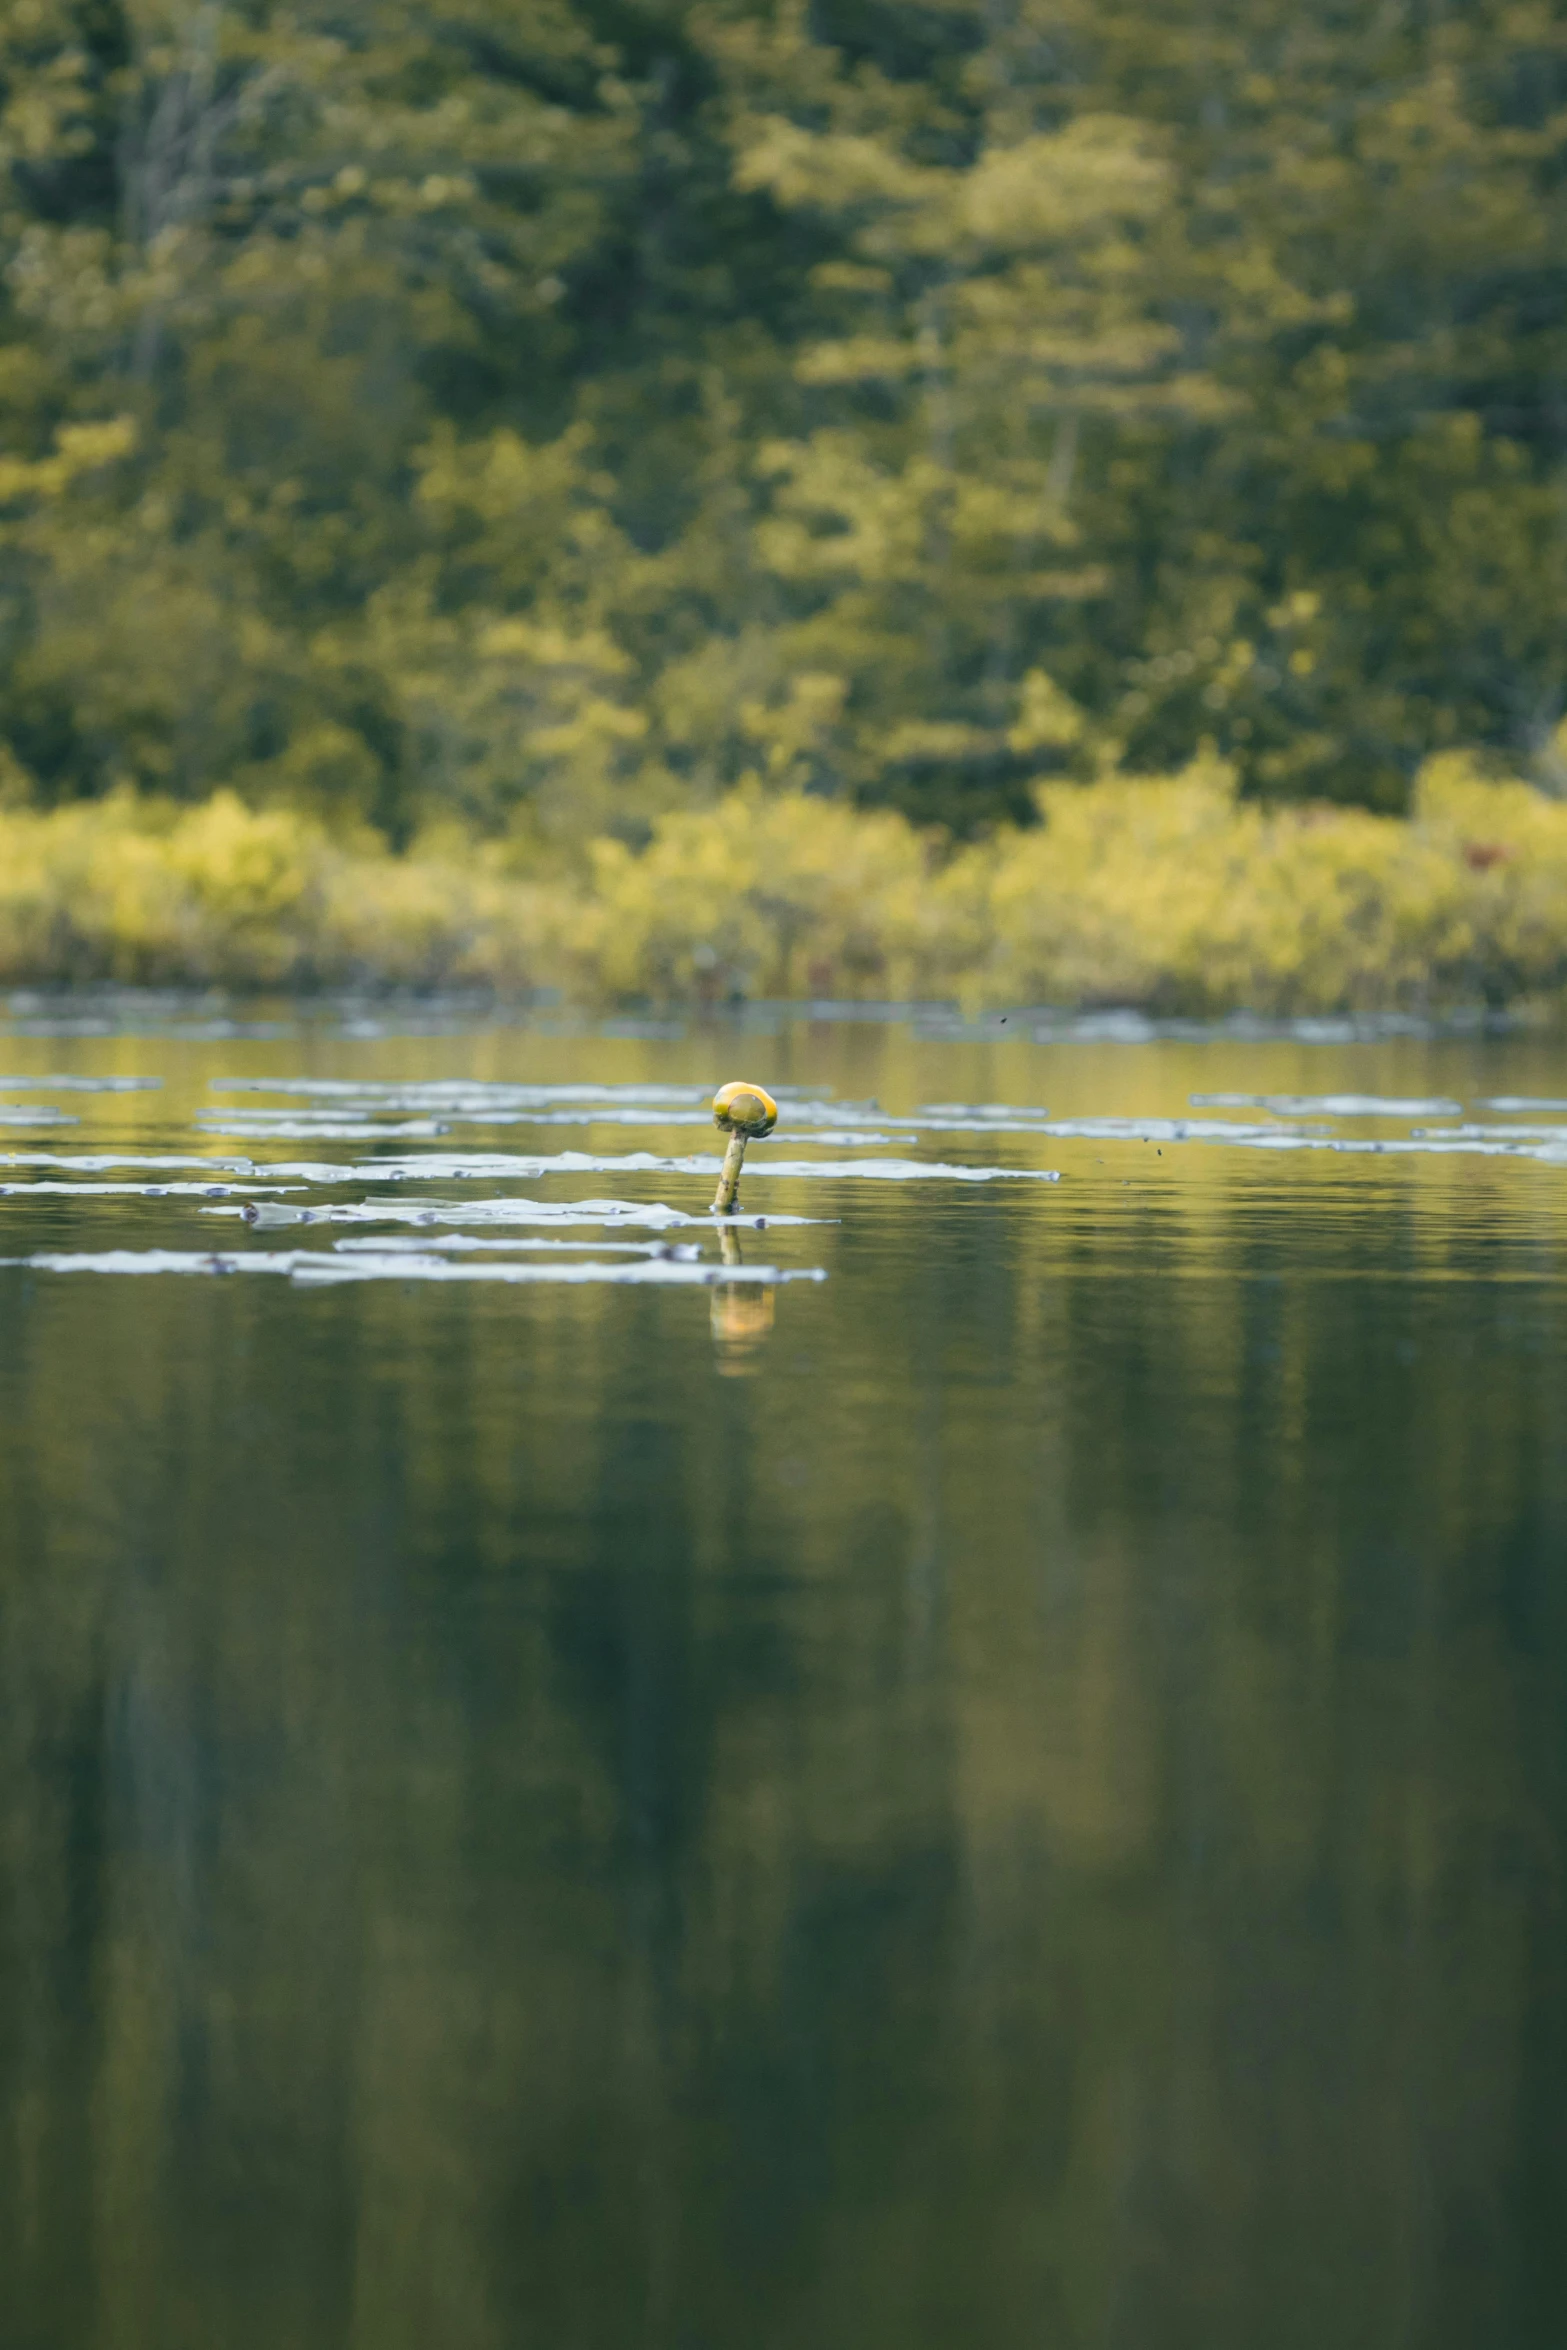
(546,412)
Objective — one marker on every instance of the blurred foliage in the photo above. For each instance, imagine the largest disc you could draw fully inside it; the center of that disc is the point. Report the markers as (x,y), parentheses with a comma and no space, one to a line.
(132,890)
(1172,893)
(546,415)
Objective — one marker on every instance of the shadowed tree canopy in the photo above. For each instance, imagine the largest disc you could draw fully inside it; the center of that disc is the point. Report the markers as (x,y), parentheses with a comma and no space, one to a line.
(540,414)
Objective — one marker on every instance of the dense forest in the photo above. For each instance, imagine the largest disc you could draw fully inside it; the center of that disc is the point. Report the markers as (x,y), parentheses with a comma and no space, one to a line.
(541,415)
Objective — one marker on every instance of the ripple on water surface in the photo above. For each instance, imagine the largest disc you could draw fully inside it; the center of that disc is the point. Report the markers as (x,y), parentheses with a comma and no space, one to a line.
(563,1841)
(484,1205)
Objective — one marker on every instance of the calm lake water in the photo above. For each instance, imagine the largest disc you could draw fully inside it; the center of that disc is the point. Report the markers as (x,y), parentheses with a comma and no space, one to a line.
(1013,1794)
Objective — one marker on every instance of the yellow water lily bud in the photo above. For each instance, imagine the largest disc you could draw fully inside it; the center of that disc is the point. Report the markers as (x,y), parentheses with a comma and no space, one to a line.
(744,1112)
(742,1108)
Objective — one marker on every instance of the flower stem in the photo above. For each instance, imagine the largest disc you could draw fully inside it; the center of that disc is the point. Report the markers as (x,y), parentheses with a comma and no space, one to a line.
(729,1180)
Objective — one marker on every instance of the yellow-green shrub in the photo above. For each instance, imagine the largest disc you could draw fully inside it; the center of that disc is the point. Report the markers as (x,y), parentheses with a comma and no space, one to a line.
(761,894)
(427,921)
(1510,844)
(137,891)
(1160,892)
(1170,894)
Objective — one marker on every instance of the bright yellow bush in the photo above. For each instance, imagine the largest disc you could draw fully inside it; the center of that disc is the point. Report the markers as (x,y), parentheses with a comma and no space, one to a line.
(1167,893)
(761,894)
(136,891)
(1173,895)
(425,921)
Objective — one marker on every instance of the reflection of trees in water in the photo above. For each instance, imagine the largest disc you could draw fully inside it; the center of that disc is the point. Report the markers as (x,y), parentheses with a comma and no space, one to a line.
(1044,1826)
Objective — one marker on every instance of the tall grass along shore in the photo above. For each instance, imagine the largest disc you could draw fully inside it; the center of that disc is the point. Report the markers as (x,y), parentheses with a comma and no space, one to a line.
(1171,894)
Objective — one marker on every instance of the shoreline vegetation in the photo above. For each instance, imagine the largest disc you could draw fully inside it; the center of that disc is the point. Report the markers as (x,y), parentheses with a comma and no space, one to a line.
(519,420)
(1168,894)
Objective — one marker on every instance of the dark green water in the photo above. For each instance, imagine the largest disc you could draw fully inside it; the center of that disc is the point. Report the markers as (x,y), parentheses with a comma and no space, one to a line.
(1021,1804)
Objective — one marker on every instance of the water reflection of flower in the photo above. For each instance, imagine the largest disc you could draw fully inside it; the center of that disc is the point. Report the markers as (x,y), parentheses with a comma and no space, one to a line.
(742,1314)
